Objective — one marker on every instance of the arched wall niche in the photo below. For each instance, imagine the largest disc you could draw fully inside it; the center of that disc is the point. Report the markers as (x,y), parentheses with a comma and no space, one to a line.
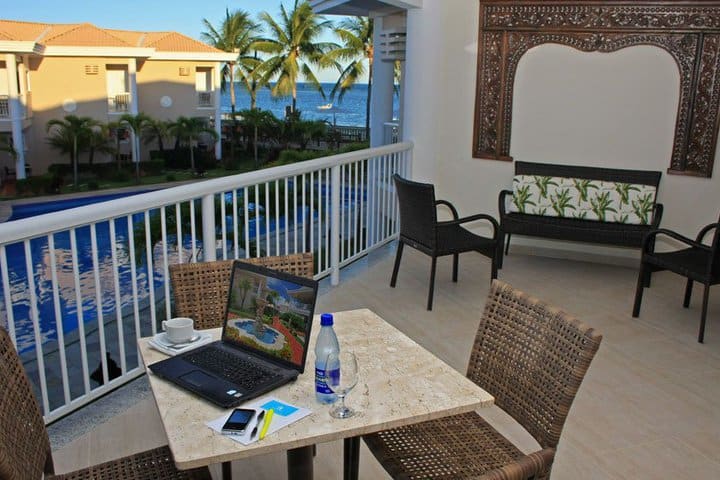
(688,31)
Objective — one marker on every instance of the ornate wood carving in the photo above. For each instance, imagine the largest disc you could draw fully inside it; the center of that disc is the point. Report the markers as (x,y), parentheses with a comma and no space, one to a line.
(689,32)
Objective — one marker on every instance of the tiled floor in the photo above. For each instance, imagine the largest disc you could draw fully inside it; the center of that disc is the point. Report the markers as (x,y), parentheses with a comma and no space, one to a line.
(648,407)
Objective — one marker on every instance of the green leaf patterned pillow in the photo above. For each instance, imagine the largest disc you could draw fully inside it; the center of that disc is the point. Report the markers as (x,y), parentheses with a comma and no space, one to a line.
(583,199)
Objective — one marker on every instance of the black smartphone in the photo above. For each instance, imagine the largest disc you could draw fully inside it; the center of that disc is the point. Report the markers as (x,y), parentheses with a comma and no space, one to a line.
(238,421)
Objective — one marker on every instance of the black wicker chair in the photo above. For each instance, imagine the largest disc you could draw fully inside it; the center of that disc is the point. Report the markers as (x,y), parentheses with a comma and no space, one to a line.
(420,229)
(25,445)
(698,263)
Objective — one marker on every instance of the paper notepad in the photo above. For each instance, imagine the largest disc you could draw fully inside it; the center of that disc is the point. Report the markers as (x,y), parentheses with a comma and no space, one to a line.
(284,415)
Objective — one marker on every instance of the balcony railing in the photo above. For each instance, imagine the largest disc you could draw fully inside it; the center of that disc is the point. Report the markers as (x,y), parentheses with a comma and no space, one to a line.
(4,106)
(205,99)
(25,106)
(119,103)
(99,273)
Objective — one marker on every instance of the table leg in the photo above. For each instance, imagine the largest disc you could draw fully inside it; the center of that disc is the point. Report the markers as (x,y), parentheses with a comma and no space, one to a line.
(226,471)
(300,463)
(351,463)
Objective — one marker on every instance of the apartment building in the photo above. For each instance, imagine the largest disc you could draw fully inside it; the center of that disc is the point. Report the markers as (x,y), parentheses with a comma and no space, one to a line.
(48,71)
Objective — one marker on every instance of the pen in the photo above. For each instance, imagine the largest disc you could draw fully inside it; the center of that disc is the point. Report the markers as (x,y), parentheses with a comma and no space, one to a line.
(268,418)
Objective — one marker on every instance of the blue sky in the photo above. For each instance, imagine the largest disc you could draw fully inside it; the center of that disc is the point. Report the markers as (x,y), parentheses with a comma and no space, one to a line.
(184,16)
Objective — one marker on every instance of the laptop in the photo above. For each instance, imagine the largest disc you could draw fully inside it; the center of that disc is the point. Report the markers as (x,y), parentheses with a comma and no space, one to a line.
(264,340)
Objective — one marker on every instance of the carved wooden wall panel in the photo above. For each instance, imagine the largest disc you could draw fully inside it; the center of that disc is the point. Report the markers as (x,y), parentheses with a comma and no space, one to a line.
(689,32)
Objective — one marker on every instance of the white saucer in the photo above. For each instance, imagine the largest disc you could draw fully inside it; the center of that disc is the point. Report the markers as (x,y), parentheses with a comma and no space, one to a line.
(163,340)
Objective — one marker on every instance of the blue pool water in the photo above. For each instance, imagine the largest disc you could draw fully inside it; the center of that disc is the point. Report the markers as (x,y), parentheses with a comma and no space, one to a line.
(38,208)
(269,336)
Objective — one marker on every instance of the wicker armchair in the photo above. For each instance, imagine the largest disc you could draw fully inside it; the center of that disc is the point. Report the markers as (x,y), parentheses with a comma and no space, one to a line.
(420,229)
(698,263)
(532,358)
(200,289)
(25,447)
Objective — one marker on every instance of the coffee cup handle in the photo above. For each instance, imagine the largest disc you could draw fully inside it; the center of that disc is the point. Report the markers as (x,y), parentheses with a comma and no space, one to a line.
(163,325)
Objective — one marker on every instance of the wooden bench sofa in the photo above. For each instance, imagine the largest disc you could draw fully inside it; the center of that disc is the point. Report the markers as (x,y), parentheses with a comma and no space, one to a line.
(584,204)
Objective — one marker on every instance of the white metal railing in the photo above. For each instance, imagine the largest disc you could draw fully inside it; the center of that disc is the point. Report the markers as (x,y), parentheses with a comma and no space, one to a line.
(205,99)
(99,272)
(119,103)
(4,106)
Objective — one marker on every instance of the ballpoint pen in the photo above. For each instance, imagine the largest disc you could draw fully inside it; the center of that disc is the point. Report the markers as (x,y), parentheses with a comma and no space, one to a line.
(268,419)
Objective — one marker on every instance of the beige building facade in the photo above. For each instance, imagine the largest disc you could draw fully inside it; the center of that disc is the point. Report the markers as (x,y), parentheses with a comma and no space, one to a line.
(48,71)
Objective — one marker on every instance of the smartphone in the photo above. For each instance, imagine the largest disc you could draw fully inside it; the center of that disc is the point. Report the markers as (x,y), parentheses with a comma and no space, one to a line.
(238,421)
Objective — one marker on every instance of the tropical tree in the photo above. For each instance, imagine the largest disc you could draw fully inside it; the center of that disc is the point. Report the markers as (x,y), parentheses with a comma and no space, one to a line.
(137,125)
(249,76)
(157,130)
(6,145)
(189,130)
(236,34)
(71,135)
(117,130)
(356,35)
(99,142)
(257,120)
(294,48)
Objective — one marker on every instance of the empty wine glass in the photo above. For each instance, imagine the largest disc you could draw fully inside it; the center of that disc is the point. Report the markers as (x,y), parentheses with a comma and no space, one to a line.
(341,375)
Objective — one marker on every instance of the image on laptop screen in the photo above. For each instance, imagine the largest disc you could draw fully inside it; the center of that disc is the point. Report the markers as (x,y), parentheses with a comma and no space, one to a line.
(270,315)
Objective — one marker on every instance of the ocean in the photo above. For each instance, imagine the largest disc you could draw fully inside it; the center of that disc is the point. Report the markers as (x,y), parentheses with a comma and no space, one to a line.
(350,111)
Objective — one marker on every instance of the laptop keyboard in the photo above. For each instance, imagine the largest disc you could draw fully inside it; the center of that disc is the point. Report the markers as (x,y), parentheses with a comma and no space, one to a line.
(242,372)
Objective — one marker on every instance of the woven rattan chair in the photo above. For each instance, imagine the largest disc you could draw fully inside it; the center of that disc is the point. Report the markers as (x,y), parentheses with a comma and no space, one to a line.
(532,358)
(25,447)
(698,263)
(201,289)
(419,228)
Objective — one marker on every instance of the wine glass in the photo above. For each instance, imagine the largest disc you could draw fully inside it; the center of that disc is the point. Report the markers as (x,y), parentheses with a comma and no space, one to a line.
(341,375)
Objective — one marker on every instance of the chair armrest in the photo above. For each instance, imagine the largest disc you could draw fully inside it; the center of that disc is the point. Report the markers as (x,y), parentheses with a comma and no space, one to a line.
(705,230)
(472,218)
(649,240)
(450,206)
(657,214)
(501,201)
(533,465)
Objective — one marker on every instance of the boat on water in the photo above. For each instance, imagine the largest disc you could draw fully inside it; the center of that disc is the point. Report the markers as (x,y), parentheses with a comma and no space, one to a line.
(327,106)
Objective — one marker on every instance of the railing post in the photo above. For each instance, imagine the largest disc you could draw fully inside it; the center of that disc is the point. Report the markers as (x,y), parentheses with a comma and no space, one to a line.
(208,228)
(335,225)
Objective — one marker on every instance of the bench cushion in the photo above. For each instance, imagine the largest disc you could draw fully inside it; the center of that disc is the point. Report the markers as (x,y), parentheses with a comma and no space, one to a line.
(583,199)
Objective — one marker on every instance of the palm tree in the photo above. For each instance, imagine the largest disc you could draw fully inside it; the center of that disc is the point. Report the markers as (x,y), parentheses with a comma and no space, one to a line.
(156,129)
(71,135)
(256,120)
(237,34)
(137,125)
(189,130)
(294,49)
(99,141)
(356,35)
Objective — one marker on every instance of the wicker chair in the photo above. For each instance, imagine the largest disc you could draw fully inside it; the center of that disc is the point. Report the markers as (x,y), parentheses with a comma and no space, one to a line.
(698,263)
(200,289)
(25,447)
(420,229)
(532,358)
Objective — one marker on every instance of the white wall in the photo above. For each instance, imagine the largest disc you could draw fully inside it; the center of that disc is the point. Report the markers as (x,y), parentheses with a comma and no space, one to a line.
(570,107)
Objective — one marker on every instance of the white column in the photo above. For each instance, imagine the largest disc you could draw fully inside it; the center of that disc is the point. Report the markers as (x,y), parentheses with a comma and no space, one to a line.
(132,78)
(15,113)
(381,102)
(217,78)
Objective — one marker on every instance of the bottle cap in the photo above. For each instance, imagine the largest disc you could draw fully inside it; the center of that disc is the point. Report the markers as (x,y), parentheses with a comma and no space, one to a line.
(326,319)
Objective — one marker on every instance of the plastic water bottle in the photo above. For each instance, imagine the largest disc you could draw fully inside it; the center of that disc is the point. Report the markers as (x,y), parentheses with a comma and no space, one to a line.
(327,343)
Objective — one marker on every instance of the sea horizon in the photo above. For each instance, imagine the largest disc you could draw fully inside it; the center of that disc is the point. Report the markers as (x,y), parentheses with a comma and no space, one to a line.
(350,111)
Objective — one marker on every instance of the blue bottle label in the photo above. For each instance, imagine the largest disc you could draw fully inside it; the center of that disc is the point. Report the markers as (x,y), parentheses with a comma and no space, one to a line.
(321,385)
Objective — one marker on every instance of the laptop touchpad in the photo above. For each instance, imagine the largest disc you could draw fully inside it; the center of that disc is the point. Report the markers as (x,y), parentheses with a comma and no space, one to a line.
(197,378)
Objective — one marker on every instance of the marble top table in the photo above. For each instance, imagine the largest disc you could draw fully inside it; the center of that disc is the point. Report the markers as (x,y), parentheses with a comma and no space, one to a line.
(400,383)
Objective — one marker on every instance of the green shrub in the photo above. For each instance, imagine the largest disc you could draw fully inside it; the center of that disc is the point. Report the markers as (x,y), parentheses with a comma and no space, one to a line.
(93,185)
(156,166)
(170,177)
(121,176)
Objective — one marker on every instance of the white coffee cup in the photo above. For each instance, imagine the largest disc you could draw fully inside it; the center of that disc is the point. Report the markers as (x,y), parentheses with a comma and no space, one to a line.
(179,329)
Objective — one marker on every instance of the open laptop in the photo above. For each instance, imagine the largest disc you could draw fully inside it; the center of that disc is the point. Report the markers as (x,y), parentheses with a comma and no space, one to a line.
(264,339)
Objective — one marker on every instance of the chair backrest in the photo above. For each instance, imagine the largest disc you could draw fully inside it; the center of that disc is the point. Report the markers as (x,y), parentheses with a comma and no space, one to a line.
(24,443)
(715,245)
(200,290)
(418,214)
(532,358)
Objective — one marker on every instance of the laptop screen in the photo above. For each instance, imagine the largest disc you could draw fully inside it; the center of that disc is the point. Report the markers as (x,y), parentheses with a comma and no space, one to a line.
(270,313)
